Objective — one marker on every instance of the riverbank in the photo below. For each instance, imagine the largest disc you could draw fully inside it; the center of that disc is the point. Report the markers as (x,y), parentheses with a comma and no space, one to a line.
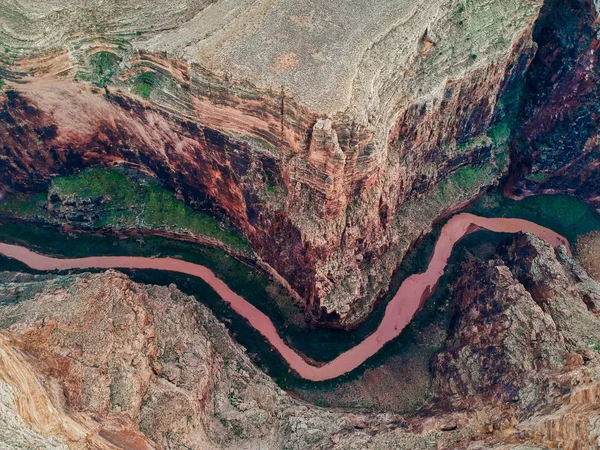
(319,345)
(409,298)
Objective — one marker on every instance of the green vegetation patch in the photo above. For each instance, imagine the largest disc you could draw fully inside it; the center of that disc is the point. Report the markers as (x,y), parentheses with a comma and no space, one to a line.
(96,182)
(117,200)
(26,206)
(114,198)
(537,176)
(103,67)
(145,83)
(467,181)
(468,176)
(104,63)
(500,133)
(564,214)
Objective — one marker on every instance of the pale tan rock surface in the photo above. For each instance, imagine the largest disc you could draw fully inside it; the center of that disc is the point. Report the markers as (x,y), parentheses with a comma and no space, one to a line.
(97,361)
(332,57)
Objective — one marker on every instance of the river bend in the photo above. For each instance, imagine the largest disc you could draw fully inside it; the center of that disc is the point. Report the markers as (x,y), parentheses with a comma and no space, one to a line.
(399,312)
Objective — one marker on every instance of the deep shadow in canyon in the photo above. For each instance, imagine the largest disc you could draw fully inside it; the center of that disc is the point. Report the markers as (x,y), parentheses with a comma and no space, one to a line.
(417,344)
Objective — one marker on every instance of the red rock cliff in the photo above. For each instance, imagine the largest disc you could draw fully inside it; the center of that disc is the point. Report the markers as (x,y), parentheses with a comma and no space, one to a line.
(331,200)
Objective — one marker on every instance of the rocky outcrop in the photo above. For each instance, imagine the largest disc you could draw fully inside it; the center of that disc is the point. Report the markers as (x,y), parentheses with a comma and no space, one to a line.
(524,339)
(323,173)
(97,361)
(557,148)
(502,341)
(331,181)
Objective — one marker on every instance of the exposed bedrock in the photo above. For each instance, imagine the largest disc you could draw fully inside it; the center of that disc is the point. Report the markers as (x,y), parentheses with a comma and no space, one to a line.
(557,147)
(330,192)
(524,339)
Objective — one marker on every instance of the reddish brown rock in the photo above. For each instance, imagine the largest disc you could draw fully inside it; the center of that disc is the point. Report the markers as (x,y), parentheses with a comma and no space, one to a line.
(331,190)
(556,147)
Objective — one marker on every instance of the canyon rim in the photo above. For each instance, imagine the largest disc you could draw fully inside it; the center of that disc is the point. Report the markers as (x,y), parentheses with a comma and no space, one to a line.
(319,144)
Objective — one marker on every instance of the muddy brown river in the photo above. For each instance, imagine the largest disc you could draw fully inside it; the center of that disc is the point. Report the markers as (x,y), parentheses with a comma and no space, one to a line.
(398,314)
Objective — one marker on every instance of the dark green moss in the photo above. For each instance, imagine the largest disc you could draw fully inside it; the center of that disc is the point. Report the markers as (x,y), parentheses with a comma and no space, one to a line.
(25,205)
(537,176)
(142,89)
(97,182)
(464,179)
(122,201)
(102,68)
(500,133)
(145,83)
(467,176)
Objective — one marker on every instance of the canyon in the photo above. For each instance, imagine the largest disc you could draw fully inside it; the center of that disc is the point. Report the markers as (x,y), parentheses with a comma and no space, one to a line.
(326,180)
(315,163)
(410,296)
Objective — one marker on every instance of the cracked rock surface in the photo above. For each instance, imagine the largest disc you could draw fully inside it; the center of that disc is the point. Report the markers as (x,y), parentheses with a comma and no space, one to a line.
(98,361)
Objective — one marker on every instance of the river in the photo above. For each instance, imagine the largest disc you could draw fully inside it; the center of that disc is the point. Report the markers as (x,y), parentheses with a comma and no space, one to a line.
(399,312)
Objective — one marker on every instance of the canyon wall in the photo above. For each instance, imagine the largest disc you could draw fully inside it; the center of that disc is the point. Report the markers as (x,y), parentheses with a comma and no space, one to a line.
(98,361)
(331,191)
(556,146)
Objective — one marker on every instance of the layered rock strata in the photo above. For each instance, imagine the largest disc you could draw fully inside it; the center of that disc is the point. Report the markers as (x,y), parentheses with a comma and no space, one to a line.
(332,151)
(97,361)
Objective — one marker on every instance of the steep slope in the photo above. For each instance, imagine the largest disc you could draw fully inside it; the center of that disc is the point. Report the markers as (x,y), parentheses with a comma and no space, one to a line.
(556,148)
(97,361)
(332,147)
(524,341)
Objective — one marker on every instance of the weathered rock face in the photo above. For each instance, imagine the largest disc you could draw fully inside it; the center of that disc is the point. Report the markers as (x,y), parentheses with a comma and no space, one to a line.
(502,338)
(331,183)
(557,147)
(524,339)
(97,361)
(588,249)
